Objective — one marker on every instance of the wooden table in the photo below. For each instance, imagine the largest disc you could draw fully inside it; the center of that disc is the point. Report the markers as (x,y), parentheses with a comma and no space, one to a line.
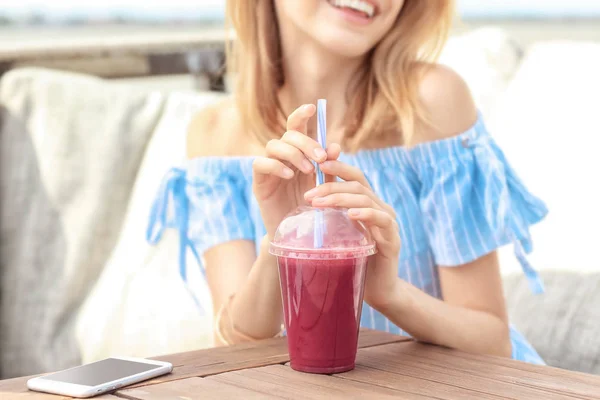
(388,366)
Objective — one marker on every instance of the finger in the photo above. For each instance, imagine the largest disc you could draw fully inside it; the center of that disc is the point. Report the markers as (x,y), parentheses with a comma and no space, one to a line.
(350,173)
(344,171)
(377,234)
(310,147)
(333,151)
(337,187)
(288,153)
(382,225)
(298,119)
(345,187)
(346,200)
(374,217)
(271,166)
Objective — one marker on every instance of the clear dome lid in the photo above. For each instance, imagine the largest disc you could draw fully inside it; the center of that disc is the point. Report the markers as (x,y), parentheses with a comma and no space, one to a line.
(321,233)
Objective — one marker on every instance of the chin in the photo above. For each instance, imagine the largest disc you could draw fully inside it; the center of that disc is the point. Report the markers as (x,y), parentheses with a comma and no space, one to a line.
(342,41)
(354,32)
(350,28)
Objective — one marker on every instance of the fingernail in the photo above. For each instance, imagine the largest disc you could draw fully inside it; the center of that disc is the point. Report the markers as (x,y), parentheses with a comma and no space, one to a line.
(326,164)
(310,193)
(306,107)
(320,153)
(354,212)
(307,166)
(319,201)
(288,173)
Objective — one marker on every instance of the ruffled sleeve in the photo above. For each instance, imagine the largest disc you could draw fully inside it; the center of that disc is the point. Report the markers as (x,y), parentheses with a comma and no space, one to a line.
(217,191)
(473,201)
(206,202)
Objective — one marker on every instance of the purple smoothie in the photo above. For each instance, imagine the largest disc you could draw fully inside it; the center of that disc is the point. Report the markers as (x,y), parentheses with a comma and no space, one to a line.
(322,256)
(322,301)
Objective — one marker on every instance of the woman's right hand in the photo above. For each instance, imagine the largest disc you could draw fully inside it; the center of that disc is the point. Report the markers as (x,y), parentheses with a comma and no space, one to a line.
(286,173)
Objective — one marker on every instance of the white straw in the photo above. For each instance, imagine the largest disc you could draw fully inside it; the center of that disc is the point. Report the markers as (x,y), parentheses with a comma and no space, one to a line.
(322,139)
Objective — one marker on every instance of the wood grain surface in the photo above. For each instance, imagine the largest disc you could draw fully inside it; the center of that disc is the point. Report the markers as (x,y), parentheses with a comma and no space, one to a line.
(208,362)
(388,366)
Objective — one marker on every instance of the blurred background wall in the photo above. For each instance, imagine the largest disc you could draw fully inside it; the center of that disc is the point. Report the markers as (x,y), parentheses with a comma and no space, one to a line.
(134,38)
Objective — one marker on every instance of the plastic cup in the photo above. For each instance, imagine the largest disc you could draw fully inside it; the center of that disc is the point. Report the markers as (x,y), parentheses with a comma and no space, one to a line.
(322,288)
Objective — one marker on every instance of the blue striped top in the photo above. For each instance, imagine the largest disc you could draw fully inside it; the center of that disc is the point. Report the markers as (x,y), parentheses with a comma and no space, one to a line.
(456,200)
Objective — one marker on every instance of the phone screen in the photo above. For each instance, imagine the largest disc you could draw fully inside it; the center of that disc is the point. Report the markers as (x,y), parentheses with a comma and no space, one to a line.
(100,372)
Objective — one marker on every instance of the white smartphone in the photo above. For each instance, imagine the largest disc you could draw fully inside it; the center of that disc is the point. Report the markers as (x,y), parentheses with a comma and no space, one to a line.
(99,377)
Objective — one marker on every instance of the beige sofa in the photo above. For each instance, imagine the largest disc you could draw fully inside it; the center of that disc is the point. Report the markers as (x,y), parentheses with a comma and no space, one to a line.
(81,160)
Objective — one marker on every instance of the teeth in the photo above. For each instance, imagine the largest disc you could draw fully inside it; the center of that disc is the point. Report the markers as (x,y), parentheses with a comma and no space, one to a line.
(358,5)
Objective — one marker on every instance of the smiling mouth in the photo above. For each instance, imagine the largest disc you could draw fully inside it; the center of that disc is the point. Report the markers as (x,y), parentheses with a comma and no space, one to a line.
(358,6)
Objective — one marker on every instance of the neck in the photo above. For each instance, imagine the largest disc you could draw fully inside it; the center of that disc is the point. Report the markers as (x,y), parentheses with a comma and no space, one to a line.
(311,73)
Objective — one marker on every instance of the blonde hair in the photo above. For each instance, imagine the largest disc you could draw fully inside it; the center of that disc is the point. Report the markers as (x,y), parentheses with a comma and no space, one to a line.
(388,83)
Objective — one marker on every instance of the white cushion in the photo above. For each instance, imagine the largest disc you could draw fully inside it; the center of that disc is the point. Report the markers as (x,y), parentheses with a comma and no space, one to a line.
(487,58)
(140,306)
(547,123)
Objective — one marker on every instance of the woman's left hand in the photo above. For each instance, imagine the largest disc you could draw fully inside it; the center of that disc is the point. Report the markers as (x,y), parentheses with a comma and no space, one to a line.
(356,194)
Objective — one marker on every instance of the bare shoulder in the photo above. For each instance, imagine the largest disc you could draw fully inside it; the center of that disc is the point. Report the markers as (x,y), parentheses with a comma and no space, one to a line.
(447,103)
(217,131)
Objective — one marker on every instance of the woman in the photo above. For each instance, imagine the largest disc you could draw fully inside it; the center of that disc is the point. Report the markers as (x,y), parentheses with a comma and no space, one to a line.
(418,168)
